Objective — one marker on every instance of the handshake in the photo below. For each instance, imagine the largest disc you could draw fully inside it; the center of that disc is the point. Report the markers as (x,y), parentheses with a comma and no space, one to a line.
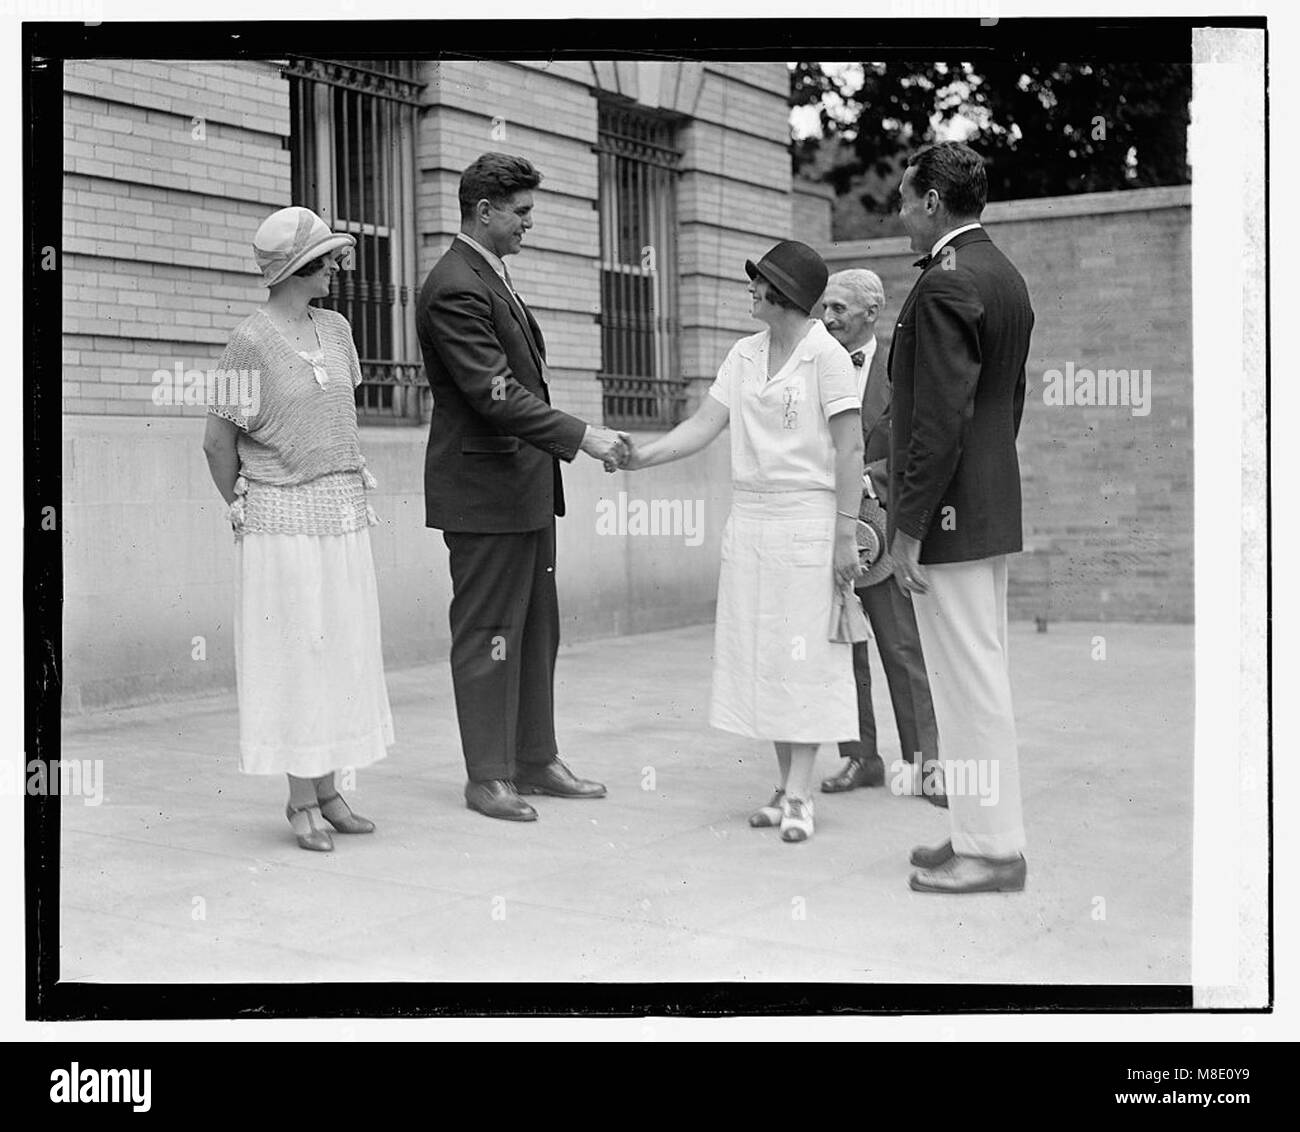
(616,450)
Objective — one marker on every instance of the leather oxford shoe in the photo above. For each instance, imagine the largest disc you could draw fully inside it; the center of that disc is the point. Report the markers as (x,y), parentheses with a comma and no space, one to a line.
(496,798)
(557,780)
(923,857)
(866,771)
(971,874)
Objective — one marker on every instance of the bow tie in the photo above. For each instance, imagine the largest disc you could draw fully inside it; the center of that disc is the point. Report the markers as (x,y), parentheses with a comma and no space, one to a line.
(858,357)
(924,262)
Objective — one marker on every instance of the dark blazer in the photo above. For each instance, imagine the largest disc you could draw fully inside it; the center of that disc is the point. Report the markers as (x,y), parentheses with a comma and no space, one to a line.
(957,366)
(495,442)
(875,423)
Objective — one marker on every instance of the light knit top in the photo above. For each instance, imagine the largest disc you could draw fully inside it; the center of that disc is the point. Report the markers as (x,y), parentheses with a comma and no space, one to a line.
(300,463)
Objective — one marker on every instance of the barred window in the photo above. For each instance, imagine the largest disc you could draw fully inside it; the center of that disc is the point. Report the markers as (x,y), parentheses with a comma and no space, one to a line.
(640,365)
(352,139)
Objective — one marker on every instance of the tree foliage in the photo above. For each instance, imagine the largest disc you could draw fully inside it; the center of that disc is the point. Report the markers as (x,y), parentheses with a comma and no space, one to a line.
(1046,129)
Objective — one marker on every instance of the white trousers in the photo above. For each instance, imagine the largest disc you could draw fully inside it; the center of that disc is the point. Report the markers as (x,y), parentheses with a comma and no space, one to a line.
(962,623)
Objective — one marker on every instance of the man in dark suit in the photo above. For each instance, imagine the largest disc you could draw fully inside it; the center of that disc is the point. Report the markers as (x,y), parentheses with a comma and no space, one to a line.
(492,485)
(957,366)
(850,306)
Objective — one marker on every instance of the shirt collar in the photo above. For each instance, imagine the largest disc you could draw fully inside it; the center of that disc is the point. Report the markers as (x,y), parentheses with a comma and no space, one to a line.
(757,345)
(867,347)
(494,261)
(934,251)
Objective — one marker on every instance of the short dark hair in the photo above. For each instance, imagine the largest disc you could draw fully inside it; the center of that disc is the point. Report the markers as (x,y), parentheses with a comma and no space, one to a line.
(312,266)
(776,296)
(955,172)
(495,177)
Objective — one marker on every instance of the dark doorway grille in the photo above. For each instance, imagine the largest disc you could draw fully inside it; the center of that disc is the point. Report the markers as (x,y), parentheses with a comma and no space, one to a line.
(352,137)
(640,365)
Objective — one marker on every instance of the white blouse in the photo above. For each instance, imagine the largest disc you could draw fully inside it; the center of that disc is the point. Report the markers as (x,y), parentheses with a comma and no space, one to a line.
(780,435)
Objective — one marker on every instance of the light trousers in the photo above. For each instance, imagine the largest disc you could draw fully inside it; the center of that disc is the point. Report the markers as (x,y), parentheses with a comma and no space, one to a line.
(962,622)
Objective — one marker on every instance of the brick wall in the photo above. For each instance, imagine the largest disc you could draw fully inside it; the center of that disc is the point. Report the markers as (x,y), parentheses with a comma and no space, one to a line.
(812,205)
(168,169)
(157,270)
(734,203)
(1107,494)
(734,194)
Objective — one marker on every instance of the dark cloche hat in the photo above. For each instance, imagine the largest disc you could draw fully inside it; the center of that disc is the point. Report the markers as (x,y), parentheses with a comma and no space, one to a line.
(795,270)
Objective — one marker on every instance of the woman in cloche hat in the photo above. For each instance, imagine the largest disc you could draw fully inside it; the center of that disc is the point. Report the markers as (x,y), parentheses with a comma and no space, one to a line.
(312,697)
(790,397)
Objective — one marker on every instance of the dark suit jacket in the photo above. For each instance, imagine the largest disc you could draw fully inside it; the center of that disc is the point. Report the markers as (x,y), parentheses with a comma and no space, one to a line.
(875,422)
(495,442)
(957,366)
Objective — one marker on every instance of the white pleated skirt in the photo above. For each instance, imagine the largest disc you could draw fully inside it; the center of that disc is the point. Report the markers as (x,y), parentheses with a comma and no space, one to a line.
(776,673)
(308,657)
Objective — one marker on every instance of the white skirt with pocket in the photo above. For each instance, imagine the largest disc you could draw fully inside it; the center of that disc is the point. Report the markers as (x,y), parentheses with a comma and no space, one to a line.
(776,675)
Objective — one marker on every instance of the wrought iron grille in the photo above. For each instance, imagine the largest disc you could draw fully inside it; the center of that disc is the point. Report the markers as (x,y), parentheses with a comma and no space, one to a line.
(352,138)
(640,364)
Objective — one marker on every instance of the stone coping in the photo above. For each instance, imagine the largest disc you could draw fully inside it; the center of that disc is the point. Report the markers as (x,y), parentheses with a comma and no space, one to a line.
(1023,211)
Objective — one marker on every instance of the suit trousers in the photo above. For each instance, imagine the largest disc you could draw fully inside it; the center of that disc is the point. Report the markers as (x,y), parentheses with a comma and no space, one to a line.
(893,624)
(505,633)
(963,626)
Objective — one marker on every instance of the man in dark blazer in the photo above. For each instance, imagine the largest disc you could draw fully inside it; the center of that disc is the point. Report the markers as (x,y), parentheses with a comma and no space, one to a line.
(850,306)
(957,366)
(492,485)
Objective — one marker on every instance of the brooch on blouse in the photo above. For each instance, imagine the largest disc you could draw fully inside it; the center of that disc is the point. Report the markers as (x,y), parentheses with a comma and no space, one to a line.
(317,363)
(790,417)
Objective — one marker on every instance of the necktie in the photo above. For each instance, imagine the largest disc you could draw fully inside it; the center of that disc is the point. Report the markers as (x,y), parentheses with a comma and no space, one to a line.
(510,284)
(858,357)
(523,310)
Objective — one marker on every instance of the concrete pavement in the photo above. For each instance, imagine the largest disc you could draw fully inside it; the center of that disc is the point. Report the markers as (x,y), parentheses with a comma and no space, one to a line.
(188,871)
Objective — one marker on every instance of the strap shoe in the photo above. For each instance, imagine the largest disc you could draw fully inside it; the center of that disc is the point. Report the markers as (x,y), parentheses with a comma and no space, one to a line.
(339,814)
(307,828)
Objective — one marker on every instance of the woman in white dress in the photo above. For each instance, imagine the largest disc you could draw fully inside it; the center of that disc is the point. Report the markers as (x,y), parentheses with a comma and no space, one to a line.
(790,398)
(286,458)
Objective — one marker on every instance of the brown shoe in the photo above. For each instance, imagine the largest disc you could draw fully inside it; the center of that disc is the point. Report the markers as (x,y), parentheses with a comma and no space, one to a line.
(971,874)
(866,771)
(557,780)
(496,798)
